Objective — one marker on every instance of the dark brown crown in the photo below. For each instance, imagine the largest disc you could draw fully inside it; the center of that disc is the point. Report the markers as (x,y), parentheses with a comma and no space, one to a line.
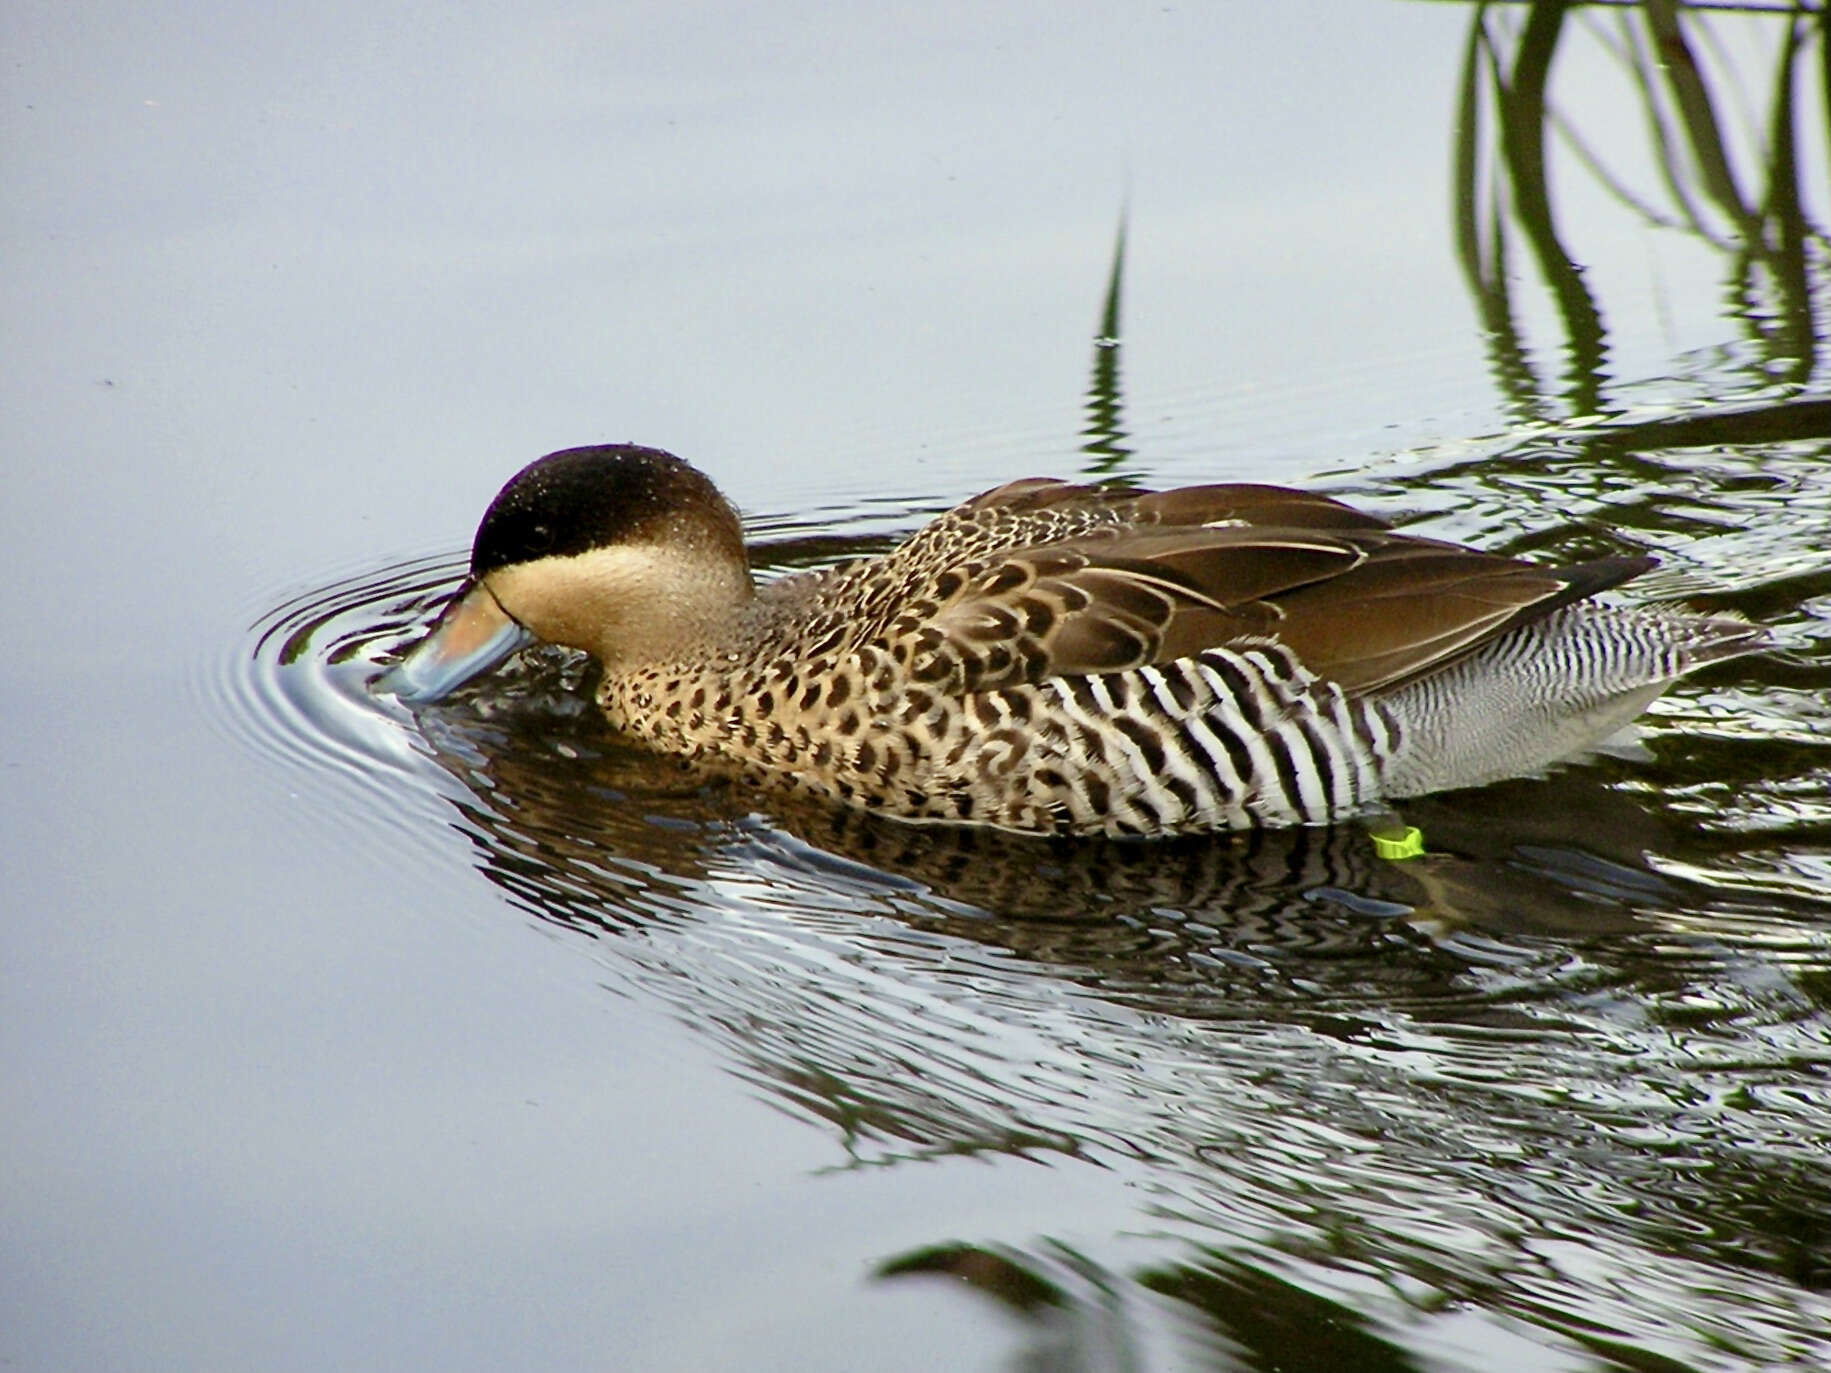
(578,499)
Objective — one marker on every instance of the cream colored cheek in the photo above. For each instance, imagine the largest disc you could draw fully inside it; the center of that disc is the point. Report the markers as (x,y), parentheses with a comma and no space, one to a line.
(554,599)
(586,601)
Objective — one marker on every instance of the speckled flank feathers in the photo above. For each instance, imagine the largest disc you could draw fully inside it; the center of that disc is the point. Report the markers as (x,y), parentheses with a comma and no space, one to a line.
(1072,659)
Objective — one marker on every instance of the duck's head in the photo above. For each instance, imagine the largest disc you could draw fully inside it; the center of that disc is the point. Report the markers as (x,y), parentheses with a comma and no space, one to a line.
(625,552)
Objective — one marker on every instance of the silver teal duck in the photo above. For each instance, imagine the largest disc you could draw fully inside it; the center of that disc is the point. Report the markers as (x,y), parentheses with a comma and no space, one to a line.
(1060,658)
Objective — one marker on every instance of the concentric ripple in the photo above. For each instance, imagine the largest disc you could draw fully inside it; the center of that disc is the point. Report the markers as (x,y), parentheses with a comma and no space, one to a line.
(298,690)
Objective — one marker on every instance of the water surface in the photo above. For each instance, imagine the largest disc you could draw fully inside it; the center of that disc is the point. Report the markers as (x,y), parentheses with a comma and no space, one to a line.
(335,1036)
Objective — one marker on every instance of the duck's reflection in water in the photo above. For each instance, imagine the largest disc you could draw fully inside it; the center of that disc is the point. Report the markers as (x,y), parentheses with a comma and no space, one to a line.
(1353,1093)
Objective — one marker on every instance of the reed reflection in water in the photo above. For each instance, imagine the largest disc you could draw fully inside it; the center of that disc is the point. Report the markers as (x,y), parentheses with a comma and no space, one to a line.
(1740,190)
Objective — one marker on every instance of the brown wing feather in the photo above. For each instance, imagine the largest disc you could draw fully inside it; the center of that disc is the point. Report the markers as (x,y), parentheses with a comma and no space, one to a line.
(1202,567)
(1415,605)
(1271,506)
(1043,493)
(1103,604)
(1217,503)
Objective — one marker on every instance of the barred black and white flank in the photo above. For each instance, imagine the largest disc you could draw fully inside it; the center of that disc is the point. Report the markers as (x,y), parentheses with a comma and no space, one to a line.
(1065,659)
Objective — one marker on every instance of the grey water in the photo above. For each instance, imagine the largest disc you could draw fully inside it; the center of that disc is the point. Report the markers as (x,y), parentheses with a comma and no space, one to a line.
(336,1036)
